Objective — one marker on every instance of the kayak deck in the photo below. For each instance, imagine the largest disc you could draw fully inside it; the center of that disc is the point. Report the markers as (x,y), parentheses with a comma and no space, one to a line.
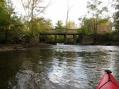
(108,82)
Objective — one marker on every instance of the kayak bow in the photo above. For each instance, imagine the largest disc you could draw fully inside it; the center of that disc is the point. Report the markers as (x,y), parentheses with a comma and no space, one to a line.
(108,81)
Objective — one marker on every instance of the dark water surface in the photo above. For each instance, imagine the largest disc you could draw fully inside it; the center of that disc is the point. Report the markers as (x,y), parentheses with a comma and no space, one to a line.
(57,67)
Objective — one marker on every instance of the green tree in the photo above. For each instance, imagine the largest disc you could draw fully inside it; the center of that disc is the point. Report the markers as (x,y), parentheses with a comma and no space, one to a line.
(96,9)
(4,15)
(88,24)
(41,25)
(116,16)
(10,24)
(32,10)
(4,19)
(59,26)
(70,25)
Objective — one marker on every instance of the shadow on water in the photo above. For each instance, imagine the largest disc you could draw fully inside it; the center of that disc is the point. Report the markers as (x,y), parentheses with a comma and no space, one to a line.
(57,67)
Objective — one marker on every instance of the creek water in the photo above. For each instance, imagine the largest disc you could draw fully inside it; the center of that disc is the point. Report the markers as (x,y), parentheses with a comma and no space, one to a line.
(57,66)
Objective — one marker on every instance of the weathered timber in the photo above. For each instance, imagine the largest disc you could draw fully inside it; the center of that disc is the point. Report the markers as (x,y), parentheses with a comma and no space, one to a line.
(64,34)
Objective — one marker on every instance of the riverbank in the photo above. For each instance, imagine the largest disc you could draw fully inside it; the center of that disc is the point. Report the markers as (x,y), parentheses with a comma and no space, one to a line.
(11,47)
(14,47)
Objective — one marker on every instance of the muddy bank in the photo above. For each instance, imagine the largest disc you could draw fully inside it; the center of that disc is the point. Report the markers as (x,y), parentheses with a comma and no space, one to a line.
(10,47)
(14,47)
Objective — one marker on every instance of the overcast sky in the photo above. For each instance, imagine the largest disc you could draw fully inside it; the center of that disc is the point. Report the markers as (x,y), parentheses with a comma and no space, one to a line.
(58,8)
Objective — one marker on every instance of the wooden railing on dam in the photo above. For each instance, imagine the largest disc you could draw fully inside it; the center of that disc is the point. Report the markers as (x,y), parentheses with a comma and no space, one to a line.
(65,35)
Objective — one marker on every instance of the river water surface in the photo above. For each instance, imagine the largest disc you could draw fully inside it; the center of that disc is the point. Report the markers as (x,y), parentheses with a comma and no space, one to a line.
(57,67)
